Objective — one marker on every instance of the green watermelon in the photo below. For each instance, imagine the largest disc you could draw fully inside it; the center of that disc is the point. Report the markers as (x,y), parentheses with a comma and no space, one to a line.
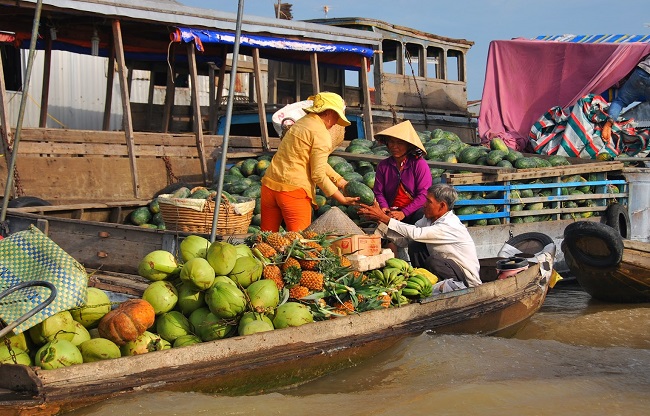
(358,189)
(140,215)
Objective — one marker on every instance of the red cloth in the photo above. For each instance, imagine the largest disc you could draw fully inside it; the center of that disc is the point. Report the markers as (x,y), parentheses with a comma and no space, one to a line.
(525,78)
(402,198)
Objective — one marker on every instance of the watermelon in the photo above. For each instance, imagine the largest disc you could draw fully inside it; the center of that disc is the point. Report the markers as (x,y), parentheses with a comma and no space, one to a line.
(498,144)
(358,189)
(470,154)
(140,215)
(248,167)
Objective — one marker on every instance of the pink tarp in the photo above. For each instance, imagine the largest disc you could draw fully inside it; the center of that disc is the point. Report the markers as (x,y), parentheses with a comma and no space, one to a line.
(525,78)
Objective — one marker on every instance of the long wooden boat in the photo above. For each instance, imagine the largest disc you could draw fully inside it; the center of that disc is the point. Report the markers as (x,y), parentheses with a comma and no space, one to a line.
(607,267)
(269,360)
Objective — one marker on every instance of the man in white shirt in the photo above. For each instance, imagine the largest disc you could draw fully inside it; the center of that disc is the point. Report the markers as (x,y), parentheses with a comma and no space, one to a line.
(438,242)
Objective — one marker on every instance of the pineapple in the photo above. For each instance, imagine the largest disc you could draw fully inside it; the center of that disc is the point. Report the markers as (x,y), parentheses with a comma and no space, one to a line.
(278,241)
(266,250)
(312,280)
(345,262)
(290,262)
(311,235)
(345,308)
(273,272)
(298,292)
(313,244)
(307,263)
(292,235)
(292,275)
(385,299)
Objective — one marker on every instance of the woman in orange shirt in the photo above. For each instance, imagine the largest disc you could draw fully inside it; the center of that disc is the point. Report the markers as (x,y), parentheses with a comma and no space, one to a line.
(300,165)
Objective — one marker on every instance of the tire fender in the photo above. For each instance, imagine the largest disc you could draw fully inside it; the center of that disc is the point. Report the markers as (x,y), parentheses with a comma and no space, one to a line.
(617,217)
(575,238)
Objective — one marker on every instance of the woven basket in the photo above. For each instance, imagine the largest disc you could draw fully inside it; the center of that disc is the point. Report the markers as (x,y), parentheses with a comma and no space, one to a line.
(181,214)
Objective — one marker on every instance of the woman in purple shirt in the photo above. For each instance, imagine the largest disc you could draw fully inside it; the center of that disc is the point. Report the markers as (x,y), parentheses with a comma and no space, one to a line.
(402,180)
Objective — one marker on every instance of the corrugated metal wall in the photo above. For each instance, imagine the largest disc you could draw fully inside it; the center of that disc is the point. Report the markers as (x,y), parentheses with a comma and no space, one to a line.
(78,90)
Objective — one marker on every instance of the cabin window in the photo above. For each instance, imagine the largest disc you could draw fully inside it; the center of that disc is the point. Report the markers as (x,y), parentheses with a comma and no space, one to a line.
(11,67)
(413,61)
(435,58)
(392,57)
(455,66)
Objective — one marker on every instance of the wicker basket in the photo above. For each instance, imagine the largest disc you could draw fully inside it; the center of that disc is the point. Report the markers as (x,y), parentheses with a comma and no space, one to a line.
(184,214)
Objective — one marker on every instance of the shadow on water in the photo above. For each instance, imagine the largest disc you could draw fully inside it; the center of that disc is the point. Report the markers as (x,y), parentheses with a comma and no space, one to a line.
(576,356)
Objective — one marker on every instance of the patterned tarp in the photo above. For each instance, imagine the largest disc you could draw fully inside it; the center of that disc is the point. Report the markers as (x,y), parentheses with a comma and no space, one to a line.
(576,132)
(30,255)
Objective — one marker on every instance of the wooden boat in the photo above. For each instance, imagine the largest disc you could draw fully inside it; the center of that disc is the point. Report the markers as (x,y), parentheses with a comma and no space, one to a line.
(268,360)
(608,267)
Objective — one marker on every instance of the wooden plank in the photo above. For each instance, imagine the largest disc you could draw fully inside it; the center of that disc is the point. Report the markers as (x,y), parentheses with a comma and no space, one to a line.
(5,129)
(212,113)
(110,77)
(127,119)
(260,101)
(313,60)
(638,246)
(367,102)
(196,103)
(170,92)
(45,91)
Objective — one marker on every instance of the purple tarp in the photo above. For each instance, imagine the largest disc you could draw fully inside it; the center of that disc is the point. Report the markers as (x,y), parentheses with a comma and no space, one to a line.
(525,78)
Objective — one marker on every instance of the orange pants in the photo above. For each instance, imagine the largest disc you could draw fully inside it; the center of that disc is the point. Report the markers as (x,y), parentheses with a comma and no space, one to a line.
(294,207)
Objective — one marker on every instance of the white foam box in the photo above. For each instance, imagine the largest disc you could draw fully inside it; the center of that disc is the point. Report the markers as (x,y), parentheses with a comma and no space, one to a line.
(362,263)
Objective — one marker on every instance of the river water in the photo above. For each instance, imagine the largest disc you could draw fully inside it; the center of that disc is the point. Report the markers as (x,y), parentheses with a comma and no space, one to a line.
(576,356)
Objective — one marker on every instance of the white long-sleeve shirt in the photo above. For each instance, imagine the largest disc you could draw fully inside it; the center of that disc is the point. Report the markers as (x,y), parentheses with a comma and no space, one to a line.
(446,236)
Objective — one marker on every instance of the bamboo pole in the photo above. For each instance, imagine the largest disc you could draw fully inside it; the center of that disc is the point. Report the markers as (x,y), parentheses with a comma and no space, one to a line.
(264,129)
(110,77)
(196,105)
(45,92)
(367,104)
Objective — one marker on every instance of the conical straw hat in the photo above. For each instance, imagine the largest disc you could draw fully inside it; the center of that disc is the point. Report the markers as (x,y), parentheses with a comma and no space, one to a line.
(402,131)
(335,221)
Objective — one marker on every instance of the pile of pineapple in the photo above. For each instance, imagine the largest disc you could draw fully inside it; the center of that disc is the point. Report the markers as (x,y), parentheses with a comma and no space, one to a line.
(307,267)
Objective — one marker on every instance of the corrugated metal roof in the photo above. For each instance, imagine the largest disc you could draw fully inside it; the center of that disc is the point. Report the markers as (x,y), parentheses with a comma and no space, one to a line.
(596,38)
(175,14)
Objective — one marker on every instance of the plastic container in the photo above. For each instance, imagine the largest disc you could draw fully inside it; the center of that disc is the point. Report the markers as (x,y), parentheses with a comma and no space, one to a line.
(510,266)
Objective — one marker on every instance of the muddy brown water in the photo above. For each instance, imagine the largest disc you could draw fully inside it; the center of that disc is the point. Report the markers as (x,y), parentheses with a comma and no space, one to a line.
(576,356)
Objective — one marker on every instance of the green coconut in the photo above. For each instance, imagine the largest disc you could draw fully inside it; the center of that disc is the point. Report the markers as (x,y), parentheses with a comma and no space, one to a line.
(194,246)
(162,295)
(263,294)
(185,340)
(171,325)
(189,299)
(7,356)
(97,349)
(16,340)
(59,326)
(147,342)
(292,314)
(224,279)
(97,305)
(81,334)
(57,353)
(198,273)
(225,300)
(246,271)
(253,327)
(243,250)
(158,265)
(248,317)
(222,257)
(213,327)
(197,317)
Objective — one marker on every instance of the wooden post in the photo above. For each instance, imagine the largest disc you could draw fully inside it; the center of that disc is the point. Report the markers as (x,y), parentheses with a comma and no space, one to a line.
(45,93)
(126,107)
(222,76)
(196,104)
(5,129)
(152,88)
(110,76)
(314,72)
(367,104)
(212,107)
(260,100)
(170,92)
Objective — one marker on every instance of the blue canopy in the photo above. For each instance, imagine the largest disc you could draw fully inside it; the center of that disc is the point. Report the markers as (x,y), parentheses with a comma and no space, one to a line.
(596,38)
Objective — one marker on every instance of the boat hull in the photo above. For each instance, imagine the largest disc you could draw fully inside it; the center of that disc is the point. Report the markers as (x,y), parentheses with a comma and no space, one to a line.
(270,360)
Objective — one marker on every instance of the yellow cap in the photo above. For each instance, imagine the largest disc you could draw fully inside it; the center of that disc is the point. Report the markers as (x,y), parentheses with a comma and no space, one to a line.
(329,101)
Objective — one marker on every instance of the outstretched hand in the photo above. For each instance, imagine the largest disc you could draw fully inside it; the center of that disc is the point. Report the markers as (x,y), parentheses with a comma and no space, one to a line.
(373,212)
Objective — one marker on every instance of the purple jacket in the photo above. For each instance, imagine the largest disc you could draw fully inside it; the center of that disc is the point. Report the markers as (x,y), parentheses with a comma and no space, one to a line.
(416,177)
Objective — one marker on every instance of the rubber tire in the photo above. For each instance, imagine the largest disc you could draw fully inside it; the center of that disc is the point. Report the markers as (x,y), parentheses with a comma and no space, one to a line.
(523,242)
(27,201)
(169,189)
(616,216)
(611,237)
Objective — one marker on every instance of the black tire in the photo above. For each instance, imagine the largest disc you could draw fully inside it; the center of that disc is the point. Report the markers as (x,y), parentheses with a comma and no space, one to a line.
(169,189)
(530,243)
(616,216)
(27,201)
(582,233)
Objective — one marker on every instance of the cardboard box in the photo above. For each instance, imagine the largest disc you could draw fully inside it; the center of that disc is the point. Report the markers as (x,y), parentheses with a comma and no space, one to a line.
(364,244)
